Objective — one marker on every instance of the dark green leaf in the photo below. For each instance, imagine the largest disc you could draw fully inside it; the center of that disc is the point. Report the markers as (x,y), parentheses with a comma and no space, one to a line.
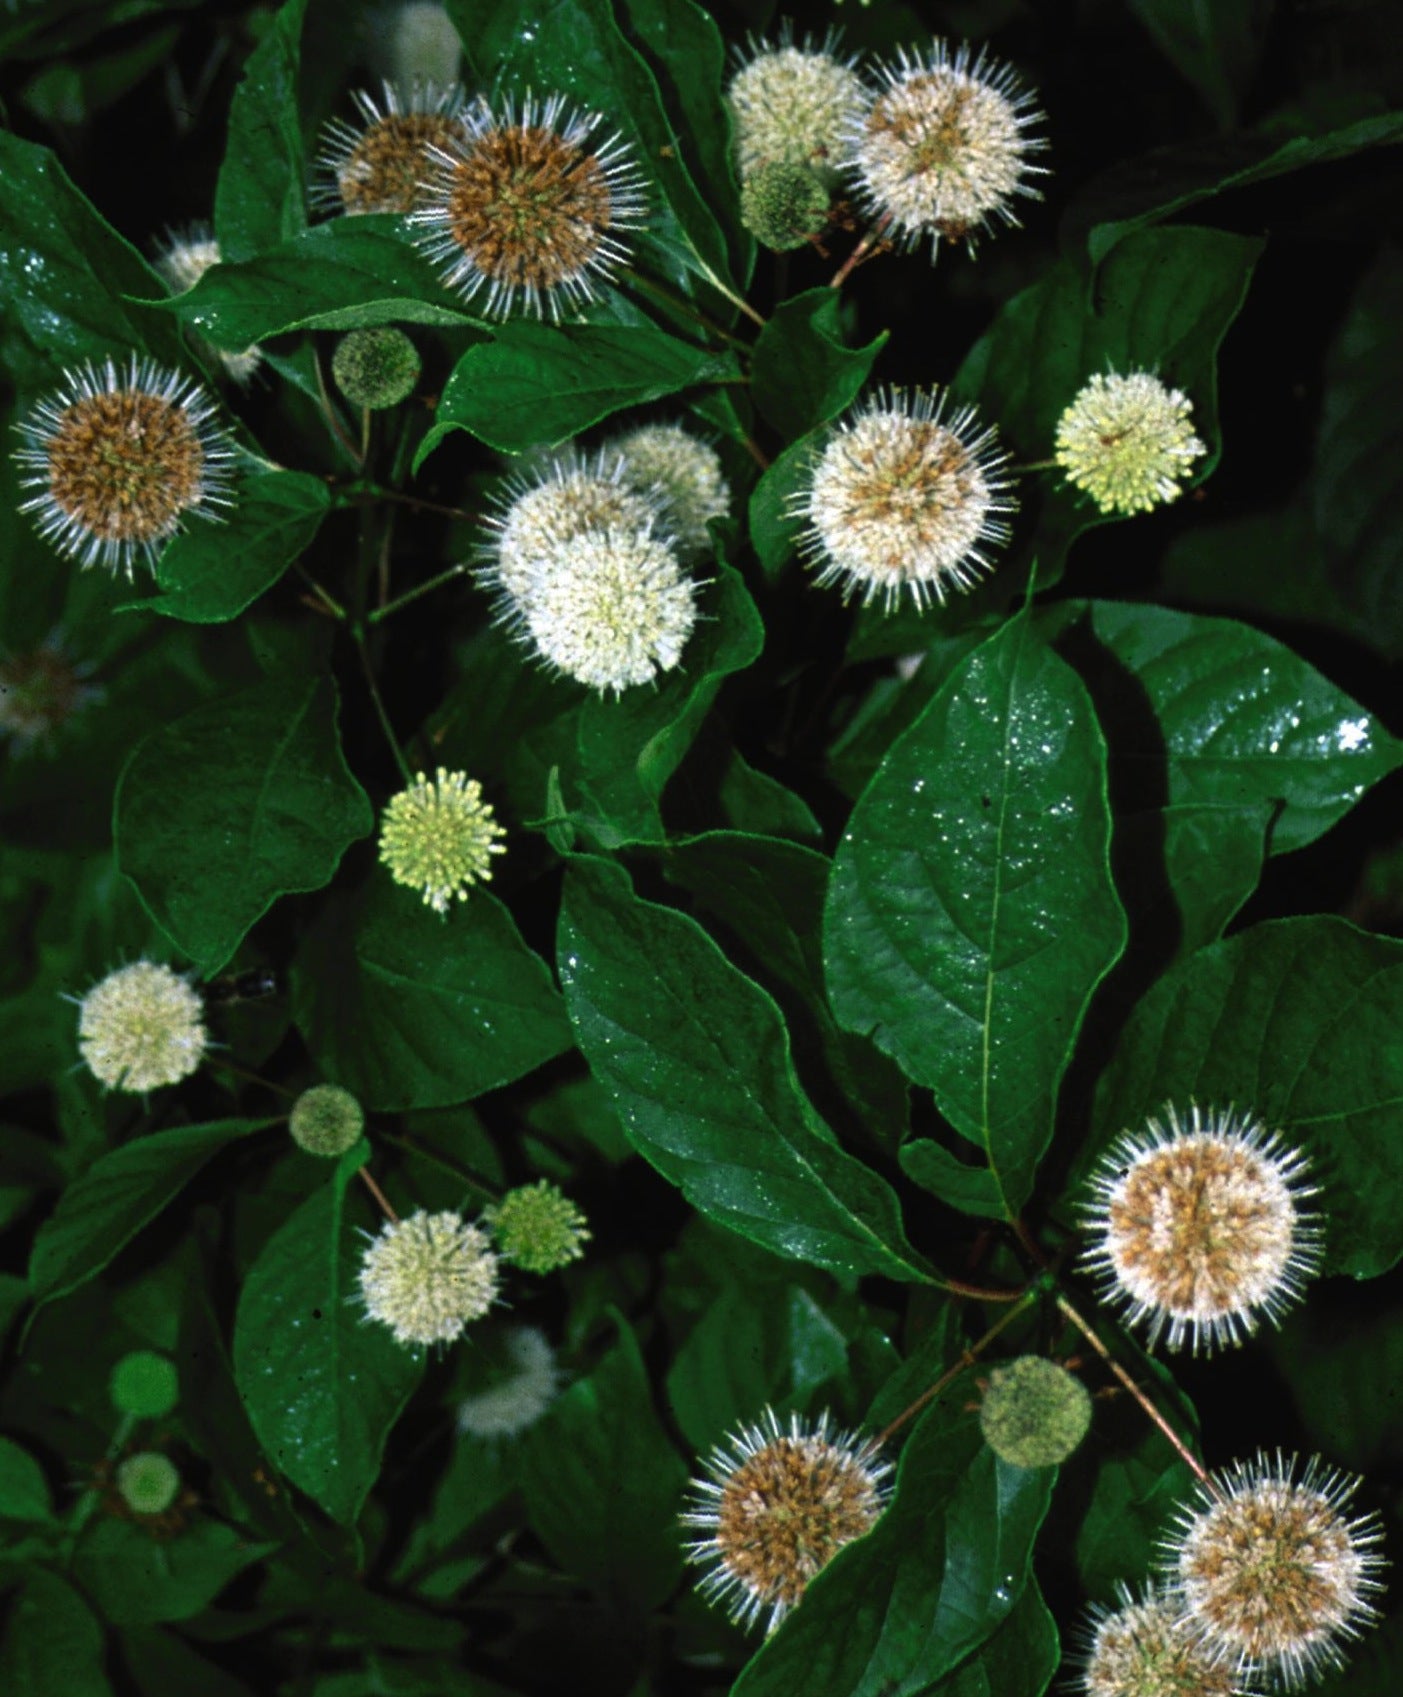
(602,1483)
(24,1491)
(134,1578)
(774,531)
(52,1646)
(321,1383)
(753,801)
(1018,1661)
(162,1661)
(973,1190)
(696,1059)
(971,912)
(540,384)
(103,1209)
(803,372)
(1345,1371)
(1296,1021)
(410,1009)
(1132,1504)
(261,197)
(235,805)
(1216,48)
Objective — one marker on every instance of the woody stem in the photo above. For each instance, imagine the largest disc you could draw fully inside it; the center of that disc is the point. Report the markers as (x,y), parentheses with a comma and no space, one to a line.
(382,1201)
(968,1359)
(860,252)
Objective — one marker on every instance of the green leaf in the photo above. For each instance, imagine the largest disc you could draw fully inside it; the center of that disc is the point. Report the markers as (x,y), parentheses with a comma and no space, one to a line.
(930,1585)
(1216,48)
(802,372)
(63,273)
(696,1059)
(322,1384)
(540,384)
(345,275)
(973,1190)
(602,1483)
(1344,1368)
(211,572)
(774,531)
(1133,1498)
(24,1491)
(261,196)
(236,804)
(752,801)
(411,1009)
(135,1579)
(52,1645)
(1295,1021)
(971,912)
(105,1207)
(1018,1661)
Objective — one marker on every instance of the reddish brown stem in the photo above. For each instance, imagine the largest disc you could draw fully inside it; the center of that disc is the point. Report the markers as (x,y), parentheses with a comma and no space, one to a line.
(968,1359)
(379,1195)
(861,251)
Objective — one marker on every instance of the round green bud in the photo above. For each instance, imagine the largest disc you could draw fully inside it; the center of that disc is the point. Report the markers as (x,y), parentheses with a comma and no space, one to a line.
(376,368)
(149,1482)
(1034,1413)
(326,1120)
(783,205)
(536,1228)
(145,1385)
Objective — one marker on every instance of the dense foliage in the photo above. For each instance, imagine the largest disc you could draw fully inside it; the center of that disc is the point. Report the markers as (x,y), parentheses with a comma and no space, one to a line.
(749,1025)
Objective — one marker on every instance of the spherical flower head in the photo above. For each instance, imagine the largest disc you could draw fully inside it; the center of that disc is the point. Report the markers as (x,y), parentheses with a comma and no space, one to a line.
(148,1482)
(384,165)
(783,206)
(184,259)
(144,1385)
(120,459)
(1270,1572)
(541,514)
(1034,1413)
(141,1027)
(40,692)
(427,1277)
(525,206)
(326,1120)
(1198,1225)
(440,837)
(376,368)
(792,103)
(1142,1650)
(1128,441)
(537,1228)
(681,474)
(518,1401)
(943,150)
(775,1507)
(904,498)
(611,609)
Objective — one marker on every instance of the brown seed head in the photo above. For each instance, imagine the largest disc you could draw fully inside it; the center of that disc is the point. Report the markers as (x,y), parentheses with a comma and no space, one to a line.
(1141,1650)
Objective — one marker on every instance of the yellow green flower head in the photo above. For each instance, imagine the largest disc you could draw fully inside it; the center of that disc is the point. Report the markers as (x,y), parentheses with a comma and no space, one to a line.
(537,1228)
(1034,1413)
(145,1385)
(439,837)
(326,1120)
(140,1027)
(1128,441)
(148,1483)
(427,1276)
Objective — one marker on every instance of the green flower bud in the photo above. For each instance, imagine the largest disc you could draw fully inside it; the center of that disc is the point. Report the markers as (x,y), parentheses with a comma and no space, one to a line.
(148,1482)
(1034,1413)
(376,368)
(783,205)
(145,1385)
(537,1228)
(326,1120)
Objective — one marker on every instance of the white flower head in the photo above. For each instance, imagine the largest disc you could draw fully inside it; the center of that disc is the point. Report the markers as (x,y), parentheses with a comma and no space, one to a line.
(518,1401)
(1142,1649)
(1128,441)
(384,164)
(681,473)
(440,837)
(120,459)
(943,151)
(527,204)
(774,1508)
(903,497)
(791,103)
(1197,1224)
(41,691)
(428,1276)
(182,260)
(141,1027)
(1270,1573)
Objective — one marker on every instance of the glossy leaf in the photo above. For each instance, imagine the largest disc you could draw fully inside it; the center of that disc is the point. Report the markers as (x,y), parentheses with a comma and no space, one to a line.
(411,1009)
(52,1643)
(321,1383)
(1018,1661)
(971,913)
(265,805)
(803,372)
(695,1057)
(24,1491)
(134,1579)
(1297,1021)
(1134,1494)
(105,1207)
(261,196)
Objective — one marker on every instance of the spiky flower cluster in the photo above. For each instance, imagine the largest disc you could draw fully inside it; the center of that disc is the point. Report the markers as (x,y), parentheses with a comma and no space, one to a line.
(518,1401)
(1197,1225)
(40,691)
(120,459)
(141,1027)
(525,204)
(776,1506)
(791,103)
(1142,1649)
(440,837)
(384,164)
(1127,441)
(1270,1573)
(537,1228)
(903,497)
(682,474)
(428,1276)
(184,259)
